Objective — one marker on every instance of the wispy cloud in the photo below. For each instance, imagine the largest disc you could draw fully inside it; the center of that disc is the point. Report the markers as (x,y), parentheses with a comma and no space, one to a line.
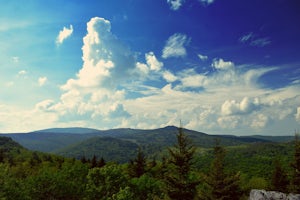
(260,42)
(22,72)
(42,81)
(15,59)
(64,34)
(206,2)
(246,37)
(253,40)
(175,46)
(202,57)
(175,4)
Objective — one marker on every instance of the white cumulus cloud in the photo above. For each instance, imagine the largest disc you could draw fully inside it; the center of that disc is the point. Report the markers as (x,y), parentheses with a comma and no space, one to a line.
(64,34)
(175,46)
(107,63)
(260,121)
(232,107)
(222,65)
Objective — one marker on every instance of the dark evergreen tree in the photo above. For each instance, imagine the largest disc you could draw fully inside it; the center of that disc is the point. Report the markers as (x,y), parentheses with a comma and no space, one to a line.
(280,181)
(94,162)
(179,181)
(83,159)
(220,185)
(101,162)
(296,167)
(137,167)
(2,156)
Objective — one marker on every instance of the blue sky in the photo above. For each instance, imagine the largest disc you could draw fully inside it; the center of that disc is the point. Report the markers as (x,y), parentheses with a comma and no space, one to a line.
(222,67)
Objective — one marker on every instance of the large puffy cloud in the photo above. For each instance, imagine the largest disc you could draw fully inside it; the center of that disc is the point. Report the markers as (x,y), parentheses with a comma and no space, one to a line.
(245,106)
(175,46)
(107,63)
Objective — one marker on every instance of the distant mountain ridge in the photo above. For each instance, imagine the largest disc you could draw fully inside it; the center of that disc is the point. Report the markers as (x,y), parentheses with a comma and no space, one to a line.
(76,142)
(74,130)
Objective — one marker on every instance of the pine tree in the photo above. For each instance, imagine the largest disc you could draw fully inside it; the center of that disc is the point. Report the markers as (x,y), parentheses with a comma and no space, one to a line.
(280,181)
(296,166)
(101,162)
(137,167)
(178,179)
(220,185)
(83,159)
(94,162)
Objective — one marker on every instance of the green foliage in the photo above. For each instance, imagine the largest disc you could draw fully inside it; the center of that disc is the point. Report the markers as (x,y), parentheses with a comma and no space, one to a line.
(146,187)
(103,183)
(254,183)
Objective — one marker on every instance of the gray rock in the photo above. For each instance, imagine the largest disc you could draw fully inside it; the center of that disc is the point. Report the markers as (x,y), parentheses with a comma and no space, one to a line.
(272,195)
(276,195)
(294,197)
(258,195)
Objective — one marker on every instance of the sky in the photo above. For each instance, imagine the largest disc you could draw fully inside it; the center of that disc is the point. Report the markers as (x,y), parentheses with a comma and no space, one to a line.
(219,67)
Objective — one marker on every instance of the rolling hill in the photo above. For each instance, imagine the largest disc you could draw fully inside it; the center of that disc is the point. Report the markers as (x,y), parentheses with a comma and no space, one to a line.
(78,142)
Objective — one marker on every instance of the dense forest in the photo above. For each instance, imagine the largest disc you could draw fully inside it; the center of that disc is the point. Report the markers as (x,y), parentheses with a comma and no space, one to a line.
(183,171)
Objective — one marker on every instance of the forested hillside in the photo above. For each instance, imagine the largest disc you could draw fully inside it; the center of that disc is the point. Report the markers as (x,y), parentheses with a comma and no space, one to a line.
(79,142)
(184,171)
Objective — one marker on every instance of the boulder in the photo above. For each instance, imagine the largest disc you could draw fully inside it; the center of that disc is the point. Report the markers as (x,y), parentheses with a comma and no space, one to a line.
(293,197)
(272,195)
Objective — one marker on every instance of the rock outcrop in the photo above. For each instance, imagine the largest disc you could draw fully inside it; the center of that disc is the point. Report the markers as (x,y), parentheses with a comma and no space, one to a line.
(272,195)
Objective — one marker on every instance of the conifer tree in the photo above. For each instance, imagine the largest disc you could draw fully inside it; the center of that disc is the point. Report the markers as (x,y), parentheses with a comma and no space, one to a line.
(296,166)
(137,167)
(220,185)
(180,184)
(101,162)
(94,162)
(280,181)
(83,159)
